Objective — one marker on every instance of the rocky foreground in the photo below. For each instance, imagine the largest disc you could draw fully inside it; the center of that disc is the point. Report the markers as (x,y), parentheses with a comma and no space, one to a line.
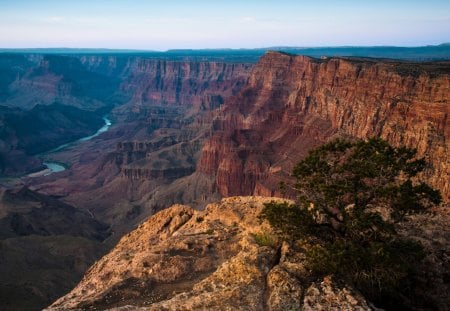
(221,258)
(224,258)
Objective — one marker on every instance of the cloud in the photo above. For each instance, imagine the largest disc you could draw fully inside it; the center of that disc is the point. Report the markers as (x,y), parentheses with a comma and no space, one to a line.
(254,20)
(248,19)
(167,20)
(54,19)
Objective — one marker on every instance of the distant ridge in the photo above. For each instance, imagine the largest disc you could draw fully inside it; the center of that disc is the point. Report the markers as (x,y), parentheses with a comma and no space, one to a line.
(63,50)
(421,53)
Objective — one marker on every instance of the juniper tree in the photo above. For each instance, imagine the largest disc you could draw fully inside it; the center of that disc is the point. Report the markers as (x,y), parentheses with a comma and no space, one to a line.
(350,197)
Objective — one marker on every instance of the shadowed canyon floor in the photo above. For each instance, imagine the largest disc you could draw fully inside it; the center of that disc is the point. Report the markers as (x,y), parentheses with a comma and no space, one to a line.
(46,246)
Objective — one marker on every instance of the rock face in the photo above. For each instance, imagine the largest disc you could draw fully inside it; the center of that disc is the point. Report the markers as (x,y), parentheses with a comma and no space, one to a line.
(294,103)
(170,99)
(32,80)
(216,259)
(160,82)
(169,102)
(95,81)
(201,84)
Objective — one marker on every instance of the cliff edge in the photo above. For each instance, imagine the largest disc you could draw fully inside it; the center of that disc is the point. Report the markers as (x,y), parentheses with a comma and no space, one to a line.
(221,258)
(224,258)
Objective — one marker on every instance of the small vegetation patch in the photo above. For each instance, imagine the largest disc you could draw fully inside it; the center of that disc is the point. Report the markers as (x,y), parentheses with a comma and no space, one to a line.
(265,239)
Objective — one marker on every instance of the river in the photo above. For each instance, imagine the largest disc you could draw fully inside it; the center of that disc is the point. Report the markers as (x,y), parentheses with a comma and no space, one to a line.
(55,167)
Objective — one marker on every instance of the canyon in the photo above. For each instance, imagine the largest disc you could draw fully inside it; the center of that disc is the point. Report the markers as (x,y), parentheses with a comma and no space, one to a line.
(164,106)
(191,130)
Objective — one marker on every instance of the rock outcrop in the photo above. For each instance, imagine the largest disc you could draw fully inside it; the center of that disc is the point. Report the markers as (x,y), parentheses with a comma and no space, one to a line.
(221,258)
(294,103)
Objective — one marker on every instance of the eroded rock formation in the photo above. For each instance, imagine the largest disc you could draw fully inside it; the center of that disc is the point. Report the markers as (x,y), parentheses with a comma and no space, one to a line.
(183,259)
(201,84)
(225,258)
(294,103)
(171,99)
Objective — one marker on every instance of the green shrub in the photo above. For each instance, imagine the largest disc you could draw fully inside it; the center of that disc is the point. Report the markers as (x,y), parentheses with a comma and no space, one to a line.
(265,239)
(341,187)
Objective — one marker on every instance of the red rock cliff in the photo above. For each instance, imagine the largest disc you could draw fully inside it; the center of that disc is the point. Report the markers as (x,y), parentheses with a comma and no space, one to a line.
(293,103)
(199,84)
(150,81)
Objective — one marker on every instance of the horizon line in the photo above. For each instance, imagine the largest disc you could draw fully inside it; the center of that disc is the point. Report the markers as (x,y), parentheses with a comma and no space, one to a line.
(223,48)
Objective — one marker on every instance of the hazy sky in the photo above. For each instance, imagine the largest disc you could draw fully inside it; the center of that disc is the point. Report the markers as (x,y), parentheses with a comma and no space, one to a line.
(166,24)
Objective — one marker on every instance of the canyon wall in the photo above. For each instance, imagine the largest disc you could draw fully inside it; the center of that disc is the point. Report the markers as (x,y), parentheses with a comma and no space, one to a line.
(32,80)
(203,85)
(172,101)
(93,81)
(294,103)
(174,82)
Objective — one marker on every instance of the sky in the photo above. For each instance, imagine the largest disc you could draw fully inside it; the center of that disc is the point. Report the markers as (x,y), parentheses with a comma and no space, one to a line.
(177,24)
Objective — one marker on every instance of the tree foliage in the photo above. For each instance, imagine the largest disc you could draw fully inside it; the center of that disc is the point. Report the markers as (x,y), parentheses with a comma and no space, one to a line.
(351,196)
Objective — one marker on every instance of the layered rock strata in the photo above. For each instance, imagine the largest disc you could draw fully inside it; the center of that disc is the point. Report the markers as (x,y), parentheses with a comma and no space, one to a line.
(200,84)
(294,103)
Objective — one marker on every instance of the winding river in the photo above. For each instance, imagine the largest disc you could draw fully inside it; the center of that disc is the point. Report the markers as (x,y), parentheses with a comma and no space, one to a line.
(55,167)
